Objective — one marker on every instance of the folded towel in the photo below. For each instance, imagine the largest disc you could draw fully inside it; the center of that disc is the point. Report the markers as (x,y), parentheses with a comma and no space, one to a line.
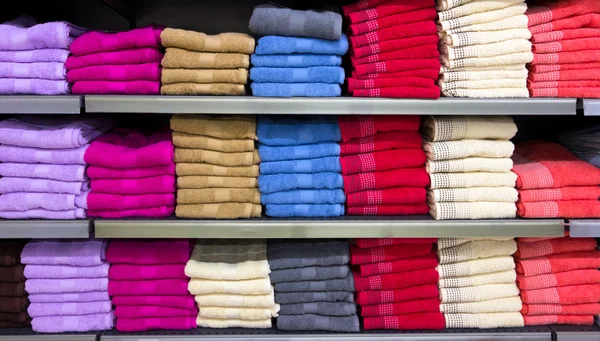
(77,213)
(295,90)
(476,250)
(185,169)
(216,158)
(152,323)
(142,272)
(203,89)
(396,280)
(90,296)
(116,87)
(580,92)
(396,19)
(148,287)
(312,273)
(152,311)
(403,177)
(515,22)
(499,305)
(431,92)
(473,194)
(107,202)
(311,297)
(403,31)
(48,71)
(71,156)
(428,261)
(419,321)
(259,286)
(392,45)
(12,274)
(34,271)
(429,305)
(475,7)
(98,172)
(559,319)
(485,37)
(484,321)
(233,323)
(184,301)
(214,183)
(359,85)
(20,202)
(509,276)
(305,152)
(286,255)
(169,251)
(35,171)
(487,93)
(151,212)
(13,289)
(470,164)
(369,10)
(32,86)
(317,165)
(552,86)
(381,142)
(566,45)
(94,42)
(367,298)
(444,243)
(236,301)
(222,127)
(389,196)
(554,246)
(35,56)
(474,179)
(219,211)
(13,304)
(61,285)
(202,76)
(455,76)
(416,52)
(319,308)
(304,210)
(19,319)
(123,57)
(319,74)
(318,322)
(388,253)
(448,150)
(68,309)
(449,128)
(382,161)
(556,11)
(183,59)
(562,30)
(373,242)
(282,182)
(394,66)
(484,16)
(164,184)
(584,56)
(295,60)
(57,252)
(218,195)
(198,41)
(340,284)
(356,126)
(243,313)
(278,45)
(478,293)
(529,310)
(73,323)
(148,71)
(269,19)
(472,210)
(572,294)
(560,279)
(22,33)
(558,263)
(389,210)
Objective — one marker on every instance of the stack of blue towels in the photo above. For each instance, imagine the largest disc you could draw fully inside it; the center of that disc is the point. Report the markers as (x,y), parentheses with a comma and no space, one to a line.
(300,171)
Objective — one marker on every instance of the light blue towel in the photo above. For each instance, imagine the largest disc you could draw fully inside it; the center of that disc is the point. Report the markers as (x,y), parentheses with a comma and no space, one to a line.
(286,211)
(283,182)
(287,45)
(291,131)
(322,164)
(318,74)
(295,60)
(306,151)
(295,90)
(304,196)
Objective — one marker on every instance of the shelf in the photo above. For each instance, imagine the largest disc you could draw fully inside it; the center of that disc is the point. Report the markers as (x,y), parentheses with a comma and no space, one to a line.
(344,227)
(584,228)
(324,106)
(44,229)
(591,107)
(26,334)
(41,104)
(576,333)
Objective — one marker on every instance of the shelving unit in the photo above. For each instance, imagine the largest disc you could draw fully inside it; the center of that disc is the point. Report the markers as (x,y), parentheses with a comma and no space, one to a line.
(44,229)
(590,107)
(41,104)
(584,228)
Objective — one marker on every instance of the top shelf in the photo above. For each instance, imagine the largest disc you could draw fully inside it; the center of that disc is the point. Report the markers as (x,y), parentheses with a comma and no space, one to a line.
(41,104)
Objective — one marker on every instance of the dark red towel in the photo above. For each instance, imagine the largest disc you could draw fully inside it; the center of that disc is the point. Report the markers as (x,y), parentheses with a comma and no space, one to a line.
(388,196)
(429,261)
(559,209)
(416,29)
(578,33)
(12,274)
(13,304)
(360,11)
(416,52)
(543,68)
(374,242)
(566,92)
(396,66)
(393,45)
(10,252)
(396,280)
(403,177)
(432,92)
(408,209)
(382,141)
(421,321)
(356,126)
(567,45)
(421,73)
(572,57)
(21,317)
(393,20)
(382,161)
(428,305)
(398,295)
(355,84)
(561,77)
(553,11)
(12,289)
(388,253)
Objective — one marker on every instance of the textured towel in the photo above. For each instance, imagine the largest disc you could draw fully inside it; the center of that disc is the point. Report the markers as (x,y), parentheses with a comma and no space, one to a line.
(514,22)
(556,11)
(408,30)
(478,293)
(470,164)
(214,182)
(360,85)
(202,76)
(319,74)
(185,169)
(260,286)
(148,72)
(572,294)
(389,196)
(13,289)
(382,161)
(475,7)
(319,308)
(219,211)
(428,261)
(475,179)
(287,131)
(395,280)
(233,301)
(558,319)
(558,263)
(317,165)
(477,249)
(340,284)
(429,305)
(312,273)
(52,172)
(448,128)
(62,285)
(77,213)
(173,251)
(141,272)
(152,311)
(382,141)
(10,252)
(468,148)
(72,156)
(373,242)
(484,16)
(388,253)
(419,321)
(35,56)
(484,321)
(12,274)
(164,184)
(365,10)
(557,309)
(238,313)
(554,246)
(22,33)
(277,45)
(68,309)
(355,126)
(487,93)
(504,277)
(396,19)
(202,89)
(307,322)
(50,252)
(217,195)
(485,37)
(148,287)
(94,42)
(282,182)
(232,323)
(116,87)
(73,323)
(499,305)
(393,66)
(198,41)
(222,127)
(34,271)
(152,323)
(311,297)
(366,298)
(390,210)
(123,57)
(21,202)
(304,210)
(216,158)
(32,86)
(473,194)
(14,304)
(295,60)
(285,255)
(574,277)
(472,210)
(184,59)
(183,301)
(91,296)
(107,202)
(455,76)
(295,90)
(407,177)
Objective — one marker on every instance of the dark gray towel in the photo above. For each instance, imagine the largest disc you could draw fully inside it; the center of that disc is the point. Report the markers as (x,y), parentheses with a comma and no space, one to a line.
(297,255)
(318,322)
(308,297)
(319,308)
(311,273)
(339,284)
(280,21)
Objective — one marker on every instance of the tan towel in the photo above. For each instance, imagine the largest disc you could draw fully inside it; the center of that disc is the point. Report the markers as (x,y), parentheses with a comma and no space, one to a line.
(504,59)
(478,293)
(474,7)
(486,37)
(448,150)
(485,321)
(488,93)
(450,53)
(223,323)
(231,300)
(218,89)
(476,250)
(517,21)
(218,195)
(245,314)
(184,169)
(484,17)
(214,182)
(473,194)
(503,277)
(234,76)
(259,286)
(185,140)
(472,210)
(487,84)
(451,128)
(470,164)
(198,41)
(474,179)
(499,305)
(217,158)
(483,75)
(223,127)
(218,211)
(476,266)
(444,243)
(178,58)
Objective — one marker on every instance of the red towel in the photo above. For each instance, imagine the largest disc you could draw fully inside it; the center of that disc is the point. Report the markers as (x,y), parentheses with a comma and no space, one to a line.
(554,246)
(175,251)
(543,320)
(558,263)
(374,242)
(428,261)
(398,295)
(397,280)
(421,73)
(388,196)
(564,76)
(561,35)
(567,45)
(393,45)
(559,279)
(422,321)
(416,29)
(365,10)
(396,66)
(572,294)
(432,92)
(566,92)
(552,11)
(355,84)
(125,311)
(541,164)
(588,20)
(403,177)
(382,141)
(389,210)
(565,84)
(558,309)
(393,20)
(559,209)
(353,127)
(382,161)
(388,253)
(428,305)
(563,193)
(416,52)
(572,57)
(544,68)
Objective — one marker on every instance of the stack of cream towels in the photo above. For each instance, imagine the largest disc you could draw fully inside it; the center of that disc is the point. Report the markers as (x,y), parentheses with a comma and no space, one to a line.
(469,166)
(230,281)
(478,283)
(484,46)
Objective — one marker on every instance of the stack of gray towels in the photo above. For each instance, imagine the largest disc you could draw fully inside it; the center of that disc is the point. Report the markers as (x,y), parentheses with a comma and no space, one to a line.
(313,285)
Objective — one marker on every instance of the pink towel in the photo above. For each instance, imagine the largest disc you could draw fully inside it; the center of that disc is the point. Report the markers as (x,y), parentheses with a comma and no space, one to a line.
(125,88)
(135,272)
(152,311)
(135,56)
(175,251)
(98,172)
(151,287)
(553,11)
(105,202)
(154,185)
(94,42)
(183,301)
(169,323)
(135,72)
(152,212)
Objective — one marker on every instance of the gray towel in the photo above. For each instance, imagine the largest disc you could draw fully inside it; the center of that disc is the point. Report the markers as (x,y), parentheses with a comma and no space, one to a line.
(342,284)
(308,297)
(318,322)
(311,273)
(319,308)
(288,255)
(279,21)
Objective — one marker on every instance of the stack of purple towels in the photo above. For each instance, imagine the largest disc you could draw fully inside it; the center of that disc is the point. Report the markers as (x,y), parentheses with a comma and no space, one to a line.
(67,283)
(33,56)
(42,169)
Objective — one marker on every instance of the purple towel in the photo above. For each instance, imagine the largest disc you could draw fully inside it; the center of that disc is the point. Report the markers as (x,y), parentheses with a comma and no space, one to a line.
(66,309)
(12,185)
(21,202)
(64,252)
(56,286)
(92,296)
(51,71)
(37,171)
(81,323)
(28,86)
(35,56)
(78,213)
(34,271)
(73,156)
(19,34)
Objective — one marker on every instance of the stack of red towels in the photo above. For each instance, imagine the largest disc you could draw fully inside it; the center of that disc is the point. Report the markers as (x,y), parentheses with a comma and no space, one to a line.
(553,183)
(566,40)
(393,48)
(383,165)
(559,280)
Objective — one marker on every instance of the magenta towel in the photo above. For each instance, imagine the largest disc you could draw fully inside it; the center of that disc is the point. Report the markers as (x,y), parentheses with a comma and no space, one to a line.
(22,33)
(57,286)
(152,212)
(21,202)
(73,156)
(12,185)
(94,42)
(152,323)
(154,185)
(33,271)
(142,72)
(73,323)
(138,272)
(48,71)
(92,296)
(124,148)
(68,308)
(35,56)
(64,252)
(98,172)
(184,301)
(176,251)
(106,202)
(78,213)
(152,311)
(37,171)
(117,88)
(150,287)
(124,57)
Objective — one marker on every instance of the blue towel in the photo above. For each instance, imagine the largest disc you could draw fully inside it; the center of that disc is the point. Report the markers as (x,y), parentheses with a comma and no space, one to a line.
(287,45)
(304,196)
(305,151)
(283,182)
(298,60)
(286,211)
(296,90)
(323,164)
(318,74)
(290,131)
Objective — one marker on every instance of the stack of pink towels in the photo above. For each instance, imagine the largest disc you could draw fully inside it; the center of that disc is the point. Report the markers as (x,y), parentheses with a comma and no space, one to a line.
(116,63)
(131,175)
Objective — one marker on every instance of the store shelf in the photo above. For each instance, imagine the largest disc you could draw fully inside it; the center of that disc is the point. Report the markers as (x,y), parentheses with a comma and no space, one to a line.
(591,107)
(344,227)
(584,228)
(26,334)
(576,333)
(41,104)
(44,229)
(323,106)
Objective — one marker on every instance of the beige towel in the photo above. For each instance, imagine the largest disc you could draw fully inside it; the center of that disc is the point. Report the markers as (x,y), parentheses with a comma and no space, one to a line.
(470,164)
(483,17)
(218,211)
(511,67)
(488,93)
(472,210)
(517,21)
(476,266)
(227,313)
(185,140)
(177,58)
(198,41)
(476,250)
(183,169)
(499,305)
(484,321)
(442,5)
(210,182)
(488,84)
(475,7)
(473,194)
(450,53)
(217,158)
(474,179)
(235,76)
(222,89)
(223,127)
(504,277)
(444,243)
(486,37)
(478,293)
(449,128)
(448,150)
(220,323)
(218,195)
(259,286)
(512,58)
(233,301)
(483,75)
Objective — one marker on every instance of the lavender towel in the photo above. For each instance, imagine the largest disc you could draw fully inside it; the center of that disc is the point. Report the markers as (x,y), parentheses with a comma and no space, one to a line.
(35,56)
(21,202)
(80,323)
(92,296)
(78,213)
(70,308)
(19,34)
(56,286)
(34,271)
(12,185)
(73,156)
(64,252)
(37,171)
(53,71)
(28,86)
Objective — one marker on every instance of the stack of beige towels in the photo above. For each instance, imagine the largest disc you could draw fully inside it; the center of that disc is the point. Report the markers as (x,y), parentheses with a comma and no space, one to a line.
(217,166)
(478,283)
(200,64)
(230,281)
(484,47)
(469,165)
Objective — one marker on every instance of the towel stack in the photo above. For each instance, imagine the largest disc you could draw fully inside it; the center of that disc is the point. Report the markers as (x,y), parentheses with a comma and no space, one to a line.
(383,165)
(132,175)
(13,298)
(314,286)
(477,283)
(32,56)
(300,173)
(67,283)
(470,167)
(484,48)
(42,174)
(148,285)
(116,63)
(395,281)
(584,143)
(230,279)
(553,183)
(217,167)
(300,53)
(199,64)
(559,280)
(394,48)
(565,40)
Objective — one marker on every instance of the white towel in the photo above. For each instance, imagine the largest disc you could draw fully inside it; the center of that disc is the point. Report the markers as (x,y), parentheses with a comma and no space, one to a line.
(450,53)
(504,277)
(484,84)
(484,321)
(483,75)
(517,21)
(260,286)
(469,165)
(478,293)
(488,93)
(219,323)
(476,250)
(447,4)
(460,127)
(444,243)
(475,7)
(485,37)
(232,301)
(512,58)
(448,150)
(500,305)
(473,194)
(484,17)
(476,266)
(512,67)
(472,210)
(473,179)
(225,313)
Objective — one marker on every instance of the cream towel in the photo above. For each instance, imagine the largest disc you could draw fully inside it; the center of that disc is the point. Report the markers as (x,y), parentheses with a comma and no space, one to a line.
(483,17)
(474,179)
(259,286)
(218,323)
(450,53)
(228,259)
(478,293)
(185,140)
(512,58)
(448,150)
(444,243)
(233,301)
(470,164)
(504,277)
(500,305)
(451,128)
(442,5)
(488,93)
(486,37)
(511,67)
(184,169)
(217,158)
(476,266)
(472,210)
(201,182)
(483,75)
(473,194)
(517,21)
(484,321)
(475,7)
(491,84)
(251,314)
(476,250)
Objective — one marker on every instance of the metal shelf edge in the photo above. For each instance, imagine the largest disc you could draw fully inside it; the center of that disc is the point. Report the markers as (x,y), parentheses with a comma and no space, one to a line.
(591,107)
(584,228)
(44,229)
(67,104)
(49,337)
